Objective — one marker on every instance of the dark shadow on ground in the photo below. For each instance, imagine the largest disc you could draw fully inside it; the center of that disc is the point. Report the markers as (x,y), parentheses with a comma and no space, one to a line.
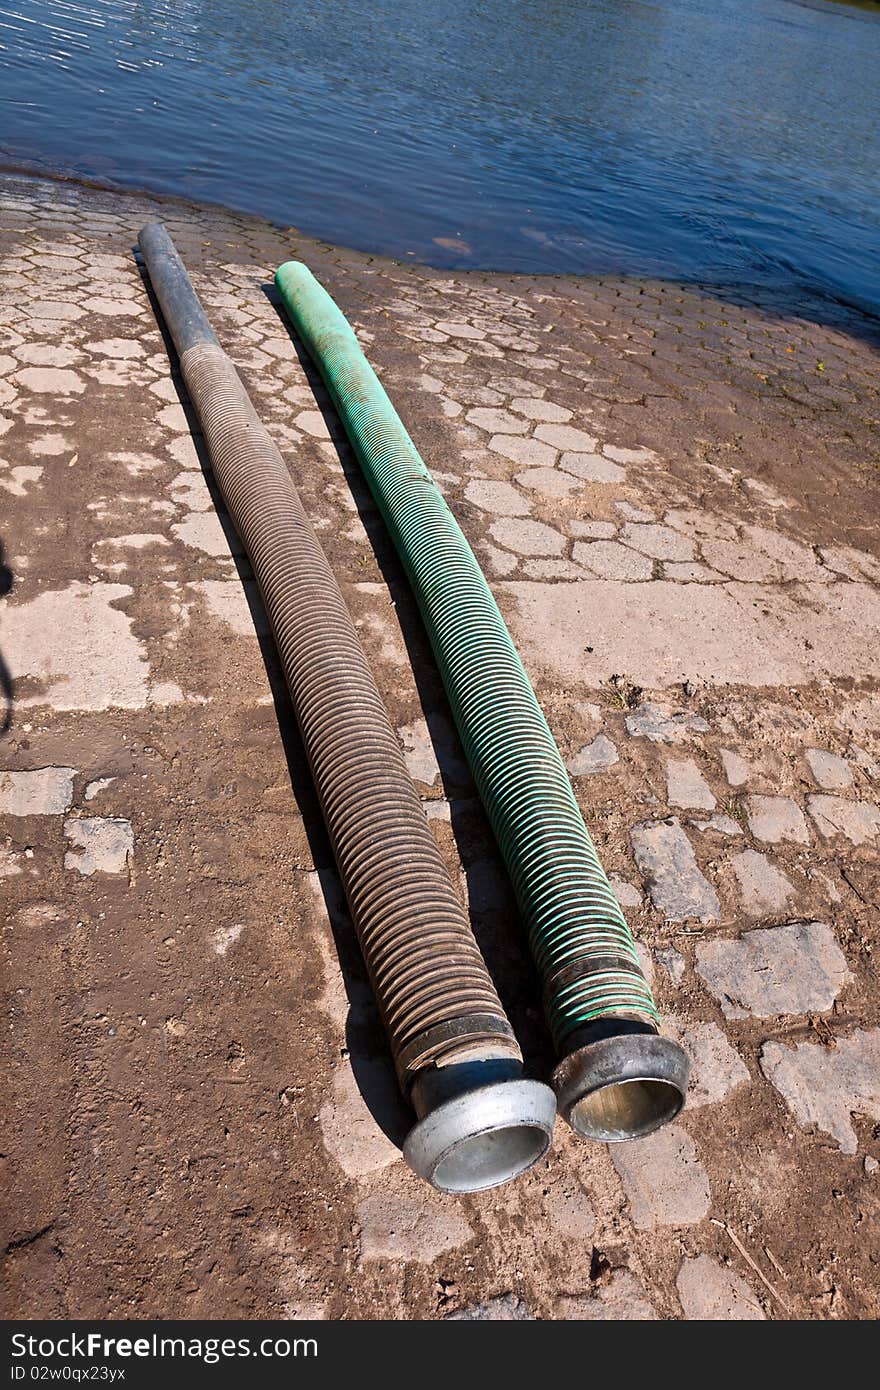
(493,912)
(365,1042)
(7,689)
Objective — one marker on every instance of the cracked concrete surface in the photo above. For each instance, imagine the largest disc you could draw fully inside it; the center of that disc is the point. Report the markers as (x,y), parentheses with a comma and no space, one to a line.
(678,514)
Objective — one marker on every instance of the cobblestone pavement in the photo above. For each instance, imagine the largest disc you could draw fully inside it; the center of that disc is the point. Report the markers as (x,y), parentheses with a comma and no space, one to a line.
(675,495)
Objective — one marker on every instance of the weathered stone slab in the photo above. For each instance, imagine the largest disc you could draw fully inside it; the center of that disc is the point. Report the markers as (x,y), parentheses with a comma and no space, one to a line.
(500,498)
(594,757)
(764,888)
(716,1066)
(47,791)
(856,821)
(527,537)
(667,862)
(99,845)
(349,1131)
(725,634)
(687,787)
(664,1179)
(621,1299)
(824,1087)
(776,818)
(710,1292)
(793,969)
(832,772)
(661,725)
(78,646)
(409,1222)
(736,769)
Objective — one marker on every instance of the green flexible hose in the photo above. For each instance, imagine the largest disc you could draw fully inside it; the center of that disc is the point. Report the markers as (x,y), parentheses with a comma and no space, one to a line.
(579,937)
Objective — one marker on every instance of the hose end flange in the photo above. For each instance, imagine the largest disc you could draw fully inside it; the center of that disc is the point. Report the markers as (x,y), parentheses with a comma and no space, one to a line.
(478,1127)
(622,1086)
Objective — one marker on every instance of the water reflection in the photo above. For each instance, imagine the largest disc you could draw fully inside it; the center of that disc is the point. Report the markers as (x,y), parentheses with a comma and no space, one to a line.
(704,139)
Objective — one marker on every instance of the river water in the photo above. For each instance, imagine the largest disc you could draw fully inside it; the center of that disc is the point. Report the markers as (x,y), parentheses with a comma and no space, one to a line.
(717,141)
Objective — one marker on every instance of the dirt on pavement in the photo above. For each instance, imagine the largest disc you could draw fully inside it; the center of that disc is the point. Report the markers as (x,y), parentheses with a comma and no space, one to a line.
(674,493)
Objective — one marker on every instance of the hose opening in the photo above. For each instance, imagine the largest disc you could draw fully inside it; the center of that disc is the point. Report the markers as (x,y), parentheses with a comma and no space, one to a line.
(626,1109)
(482,1137)
(622,1086)
(486,1160)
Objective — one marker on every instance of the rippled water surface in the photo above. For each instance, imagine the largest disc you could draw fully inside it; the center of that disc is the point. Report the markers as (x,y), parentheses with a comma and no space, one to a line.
(699,139)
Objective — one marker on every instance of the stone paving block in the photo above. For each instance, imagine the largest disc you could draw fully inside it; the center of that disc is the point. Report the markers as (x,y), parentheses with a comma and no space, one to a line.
(505,1308)
(862,759)
(204,531)
(626,893)
(664,1179)
(548,481)
(775,819)
(47,791)
(173,417)
(832,773)
(534,408)
(740,561)
(351,1134)
(497,561)
(660,542)
(661,725)
(593,757)
(592,468)
(99,845)
(673,962)
(530,453)
(720,823)
(503,499)
(796,561)
(631,513)
(460,330)
(610,560)
(496,421)
(850,563)
(56,309)
(736,769)
(764,888)
(643,456)
(797,968)
(687,787)
(56,381)
(568,1210)
(406,1221)
(856,821)
(551,569)
(527,537)
(18,480)
(711,1292)
(104,663)
(667,862)
(690,572)
(824,1087)
(716,1066)
(567,437)
(516,386)
(592,530)
(621,1299)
